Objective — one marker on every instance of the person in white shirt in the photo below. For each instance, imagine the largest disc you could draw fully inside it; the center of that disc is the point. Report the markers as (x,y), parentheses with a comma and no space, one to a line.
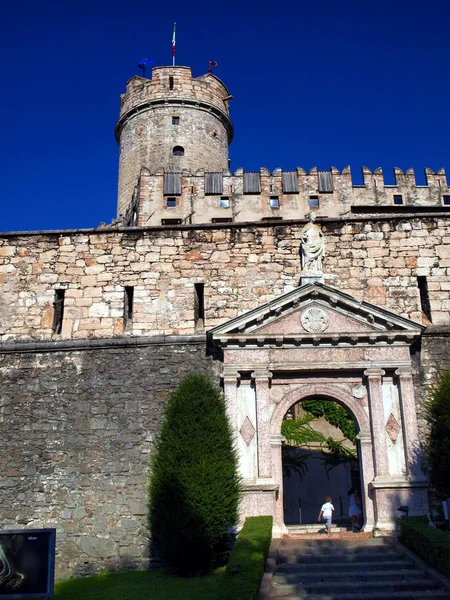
(326,513)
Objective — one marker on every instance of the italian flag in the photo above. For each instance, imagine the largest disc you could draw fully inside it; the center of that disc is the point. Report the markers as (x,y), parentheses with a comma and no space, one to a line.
(173,39)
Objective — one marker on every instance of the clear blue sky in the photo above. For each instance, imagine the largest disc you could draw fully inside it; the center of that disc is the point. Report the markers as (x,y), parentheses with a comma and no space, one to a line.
(314,83)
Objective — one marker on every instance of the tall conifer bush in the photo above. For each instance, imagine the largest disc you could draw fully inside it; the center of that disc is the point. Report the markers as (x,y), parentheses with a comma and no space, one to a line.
(194,486)
(437,413)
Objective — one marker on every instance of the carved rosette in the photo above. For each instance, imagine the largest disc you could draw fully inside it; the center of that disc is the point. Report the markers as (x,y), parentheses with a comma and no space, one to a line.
(314,319)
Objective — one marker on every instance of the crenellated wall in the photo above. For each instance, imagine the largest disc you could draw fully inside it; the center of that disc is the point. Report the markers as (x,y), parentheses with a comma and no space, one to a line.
(195,205)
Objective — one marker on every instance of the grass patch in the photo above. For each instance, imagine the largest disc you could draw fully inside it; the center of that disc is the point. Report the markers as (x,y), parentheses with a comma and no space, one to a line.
(247,560)
(432,545)
(240,580)
(155,584)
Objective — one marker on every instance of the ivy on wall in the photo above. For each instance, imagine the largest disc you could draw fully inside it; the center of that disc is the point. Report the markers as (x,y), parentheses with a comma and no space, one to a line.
(333,413)
(298,432)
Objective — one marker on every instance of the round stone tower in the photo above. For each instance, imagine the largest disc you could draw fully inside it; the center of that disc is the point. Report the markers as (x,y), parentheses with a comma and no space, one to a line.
(169,123)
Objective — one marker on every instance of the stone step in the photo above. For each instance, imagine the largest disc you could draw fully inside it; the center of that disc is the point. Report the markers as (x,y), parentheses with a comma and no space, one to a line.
(357,539)
(363,588)
(409,595)
(289,572)
(349,567)
(342,559)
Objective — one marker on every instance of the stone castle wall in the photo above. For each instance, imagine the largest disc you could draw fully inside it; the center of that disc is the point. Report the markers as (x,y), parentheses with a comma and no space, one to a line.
(241,267)
(77,428)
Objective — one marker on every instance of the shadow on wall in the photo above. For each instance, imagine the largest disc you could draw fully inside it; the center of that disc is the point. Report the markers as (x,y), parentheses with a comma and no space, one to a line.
(77,432)
(308,477)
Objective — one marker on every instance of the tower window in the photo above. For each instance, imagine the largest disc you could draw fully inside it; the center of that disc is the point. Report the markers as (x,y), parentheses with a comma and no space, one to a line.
(314,201)
(424,296)
(58,310)
(274,202)
(224,202)
(170,83)
(171,202)
(128,305)
(199,304)
(178,151)
(175,120)
(398,199)
(446,200)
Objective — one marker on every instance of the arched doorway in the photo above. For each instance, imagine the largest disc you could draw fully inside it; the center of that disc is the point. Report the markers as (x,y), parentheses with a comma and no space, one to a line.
(333,393)
(356,354)
(319,459)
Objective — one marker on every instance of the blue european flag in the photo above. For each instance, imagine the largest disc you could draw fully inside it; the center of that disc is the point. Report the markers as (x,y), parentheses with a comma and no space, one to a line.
(143,63)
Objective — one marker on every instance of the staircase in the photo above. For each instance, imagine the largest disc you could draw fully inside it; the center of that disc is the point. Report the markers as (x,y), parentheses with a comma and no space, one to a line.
(350,568)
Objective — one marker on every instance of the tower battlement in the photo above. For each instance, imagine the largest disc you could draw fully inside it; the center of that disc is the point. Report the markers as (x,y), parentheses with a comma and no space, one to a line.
(174,84)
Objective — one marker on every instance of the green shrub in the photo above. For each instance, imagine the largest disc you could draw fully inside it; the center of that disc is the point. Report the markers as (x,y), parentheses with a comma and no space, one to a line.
(437,413)
(194,488)
(247,560)
(432,545)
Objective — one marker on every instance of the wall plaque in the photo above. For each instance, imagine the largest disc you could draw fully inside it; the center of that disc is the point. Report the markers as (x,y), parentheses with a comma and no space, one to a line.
(27,563)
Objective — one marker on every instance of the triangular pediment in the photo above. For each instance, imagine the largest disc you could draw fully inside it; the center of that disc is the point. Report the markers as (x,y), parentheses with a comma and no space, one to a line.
(316,313)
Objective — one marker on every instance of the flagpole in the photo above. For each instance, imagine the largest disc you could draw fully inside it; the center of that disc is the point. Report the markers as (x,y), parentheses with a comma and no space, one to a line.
(173,45)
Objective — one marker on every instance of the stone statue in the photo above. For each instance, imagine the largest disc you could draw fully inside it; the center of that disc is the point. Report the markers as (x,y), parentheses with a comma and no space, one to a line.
(313,247)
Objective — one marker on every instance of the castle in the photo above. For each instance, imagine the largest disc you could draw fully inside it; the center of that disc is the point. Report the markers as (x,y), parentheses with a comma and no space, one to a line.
(205,270)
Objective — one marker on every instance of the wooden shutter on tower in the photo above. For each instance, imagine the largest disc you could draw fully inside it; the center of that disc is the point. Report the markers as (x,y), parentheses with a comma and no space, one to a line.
(325,181)
(290,182)
(213,183)
(172,184)
(252,183)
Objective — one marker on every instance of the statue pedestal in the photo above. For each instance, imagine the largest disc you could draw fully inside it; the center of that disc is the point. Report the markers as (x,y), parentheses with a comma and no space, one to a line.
(309,277)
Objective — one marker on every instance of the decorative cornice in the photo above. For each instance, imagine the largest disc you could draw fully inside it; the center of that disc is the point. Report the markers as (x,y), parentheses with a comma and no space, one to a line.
(97,344)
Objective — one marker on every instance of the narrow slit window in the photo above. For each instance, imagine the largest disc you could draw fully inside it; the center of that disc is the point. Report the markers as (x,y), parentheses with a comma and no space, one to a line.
(171,202)
(178,151)
(424,297)
(170,83)
(175,120)
(128,305)
(274,202)
(199,304)
(398,199)
(58,310)
(314,201)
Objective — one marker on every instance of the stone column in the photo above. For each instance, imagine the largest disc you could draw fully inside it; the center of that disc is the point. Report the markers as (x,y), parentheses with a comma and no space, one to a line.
(230,380)
(366,462)
(374,377)
(279,528)
(409,422)
(261,378)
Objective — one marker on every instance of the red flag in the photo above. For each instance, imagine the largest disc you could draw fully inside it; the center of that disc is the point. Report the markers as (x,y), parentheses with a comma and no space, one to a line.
(173,39)
(212,64)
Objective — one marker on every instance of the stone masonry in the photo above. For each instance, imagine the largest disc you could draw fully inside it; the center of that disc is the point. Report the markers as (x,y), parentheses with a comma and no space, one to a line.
(98,326)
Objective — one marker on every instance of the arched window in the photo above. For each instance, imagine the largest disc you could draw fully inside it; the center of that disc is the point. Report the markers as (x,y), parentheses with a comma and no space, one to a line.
(178,151)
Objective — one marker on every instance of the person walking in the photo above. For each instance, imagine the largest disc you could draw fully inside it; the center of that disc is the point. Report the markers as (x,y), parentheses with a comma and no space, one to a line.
(354,509)
(326,513)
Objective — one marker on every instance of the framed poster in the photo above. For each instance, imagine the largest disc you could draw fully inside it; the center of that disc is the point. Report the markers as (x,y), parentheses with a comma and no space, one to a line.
(27,563)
